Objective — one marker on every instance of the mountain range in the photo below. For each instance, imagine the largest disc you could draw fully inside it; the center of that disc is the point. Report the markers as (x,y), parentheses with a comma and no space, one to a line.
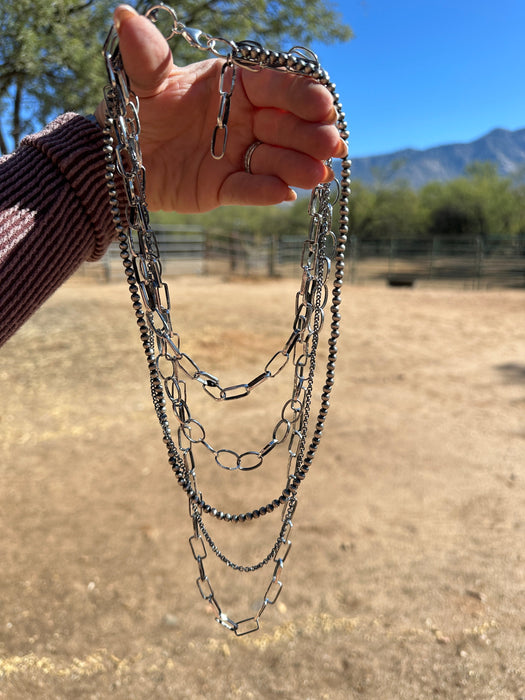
(506,149)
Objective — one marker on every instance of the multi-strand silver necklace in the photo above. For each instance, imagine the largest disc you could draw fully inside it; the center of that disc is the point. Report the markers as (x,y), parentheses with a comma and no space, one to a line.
(173,372)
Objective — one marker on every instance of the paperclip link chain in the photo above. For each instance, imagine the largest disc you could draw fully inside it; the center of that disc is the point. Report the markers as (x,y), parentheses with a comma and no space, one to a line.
(150,299)
(301,346)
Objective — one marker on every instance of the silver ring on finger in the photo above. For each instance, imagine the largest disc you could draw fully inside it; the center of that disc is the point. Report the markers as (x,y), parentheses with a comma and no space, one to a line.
(248,156)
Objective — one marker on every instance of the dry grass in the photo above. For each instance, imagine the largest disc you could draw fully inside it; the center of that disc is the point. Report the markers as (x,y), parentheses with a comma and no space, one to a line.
(406,576)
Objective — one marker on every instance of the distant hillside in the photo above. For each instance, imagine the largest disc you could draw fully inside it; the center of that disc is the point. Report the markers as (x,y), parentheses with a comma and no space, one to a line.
(503,147)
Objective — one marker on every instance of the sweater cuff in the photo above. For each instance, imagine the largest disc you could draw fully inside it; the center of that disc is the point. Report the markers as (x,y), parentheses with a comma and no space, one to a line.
(74,144)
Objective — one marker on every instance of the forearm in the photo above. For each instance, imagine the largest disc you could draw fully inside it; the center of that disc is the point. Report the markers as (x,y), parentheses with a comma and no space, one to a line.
(54,214)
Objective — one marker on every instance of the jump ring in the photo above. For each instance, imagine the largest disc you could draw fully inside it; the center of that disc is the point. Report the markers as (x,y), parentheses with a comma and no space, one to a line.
(248,156)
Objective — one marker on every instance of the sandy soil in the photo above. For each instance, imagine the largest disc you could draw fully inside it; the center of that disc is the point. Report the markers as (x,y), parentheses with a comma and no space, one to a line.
(406,578)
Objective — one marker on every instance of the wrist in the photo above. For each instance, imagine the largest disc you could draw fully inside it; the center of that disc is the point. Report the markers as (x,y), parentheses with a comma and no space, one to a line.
(99,114)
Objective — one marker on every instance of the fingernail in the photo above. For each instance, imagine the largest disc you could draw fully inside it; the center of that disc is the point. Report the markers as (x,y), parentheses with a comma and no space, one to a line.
(121,13)
(291,196)
(329,175)
(342,149)
(333,116)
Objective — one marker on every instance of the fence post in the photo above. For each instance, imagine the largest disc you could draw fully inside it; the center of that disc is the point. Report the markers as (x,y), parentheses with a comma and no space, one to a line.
(480,255)
(234,245)
(432,257)
(354,254)
(272,255)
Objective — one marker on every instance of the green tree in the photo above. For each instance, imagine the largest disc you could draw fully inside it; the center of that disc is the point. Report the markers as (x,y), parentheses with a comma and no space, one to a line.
(480,204)
(278,220)
(498,198)
(50,50)
(49,61)
(384,212)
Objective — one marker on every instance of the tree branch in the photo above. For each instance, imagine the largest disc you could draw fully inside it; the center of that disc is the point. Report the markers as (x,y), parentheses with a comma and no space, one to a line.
(3,146)
(17,130)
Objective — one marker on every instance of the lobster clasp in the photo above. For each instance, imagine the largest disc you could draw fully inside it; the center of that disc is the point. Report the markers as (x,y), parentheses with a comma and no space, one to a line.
(193,37)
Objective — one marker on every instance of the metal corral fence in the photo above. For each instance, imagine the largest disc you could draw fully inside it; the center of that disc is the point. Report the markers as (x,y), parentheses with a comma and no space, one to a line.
(477,262)
(473,262)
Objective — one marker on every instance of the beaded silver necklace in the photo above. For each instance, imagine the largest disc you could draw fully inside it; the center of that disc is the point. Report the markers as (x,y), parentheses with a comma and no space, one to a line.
(171,370)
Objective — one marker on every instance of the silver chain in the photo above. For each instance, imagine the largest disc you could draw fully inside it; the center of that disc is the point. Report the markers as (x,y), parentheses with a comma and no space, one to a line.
(170,369)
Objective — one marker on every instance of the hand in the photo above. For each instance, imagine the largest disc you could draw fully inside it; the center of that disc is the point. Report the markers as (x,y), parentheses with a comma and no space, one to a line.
(293,117)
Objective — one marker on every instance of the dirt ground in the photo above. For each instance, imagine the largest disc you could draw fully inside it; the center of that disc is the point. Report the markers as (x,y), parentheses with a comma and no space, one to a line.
(406,578)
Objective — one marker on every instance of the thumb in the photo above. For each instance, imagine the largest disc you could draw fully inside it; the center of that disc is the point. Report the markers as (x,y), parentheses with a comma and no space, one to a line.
(145,53)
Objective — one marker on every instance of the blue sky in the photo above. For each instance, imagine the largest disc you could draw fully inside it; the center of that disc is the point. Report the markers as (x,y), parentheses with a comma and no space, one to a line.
(421,73)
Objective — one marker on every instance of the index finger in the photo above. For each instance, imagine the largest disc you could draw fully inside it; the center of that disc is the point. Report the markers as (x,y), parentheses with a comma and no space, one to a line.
(297,94)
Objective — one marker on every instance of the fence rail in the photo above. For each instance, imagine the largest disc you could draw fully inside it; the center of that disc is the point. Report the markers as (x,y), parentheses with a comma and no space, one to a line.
(492,261)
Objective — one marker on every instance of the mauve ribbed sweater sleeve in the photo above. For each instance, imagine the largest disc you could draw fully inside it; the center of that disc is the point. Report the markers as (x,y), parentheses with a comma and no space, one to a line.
(54,214)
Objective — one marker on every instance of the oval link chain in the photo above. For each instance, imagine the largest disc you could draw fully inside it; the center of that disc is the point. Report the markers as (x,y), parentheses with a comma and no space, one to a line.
(168,366)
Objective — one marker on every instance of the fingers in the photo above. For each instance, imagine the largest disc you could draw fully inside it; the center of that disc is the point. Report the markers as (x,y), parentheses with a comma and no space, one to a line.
(273,171)
(294,168)
(146,55)
(255,190)
(299,95)
(320,141)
